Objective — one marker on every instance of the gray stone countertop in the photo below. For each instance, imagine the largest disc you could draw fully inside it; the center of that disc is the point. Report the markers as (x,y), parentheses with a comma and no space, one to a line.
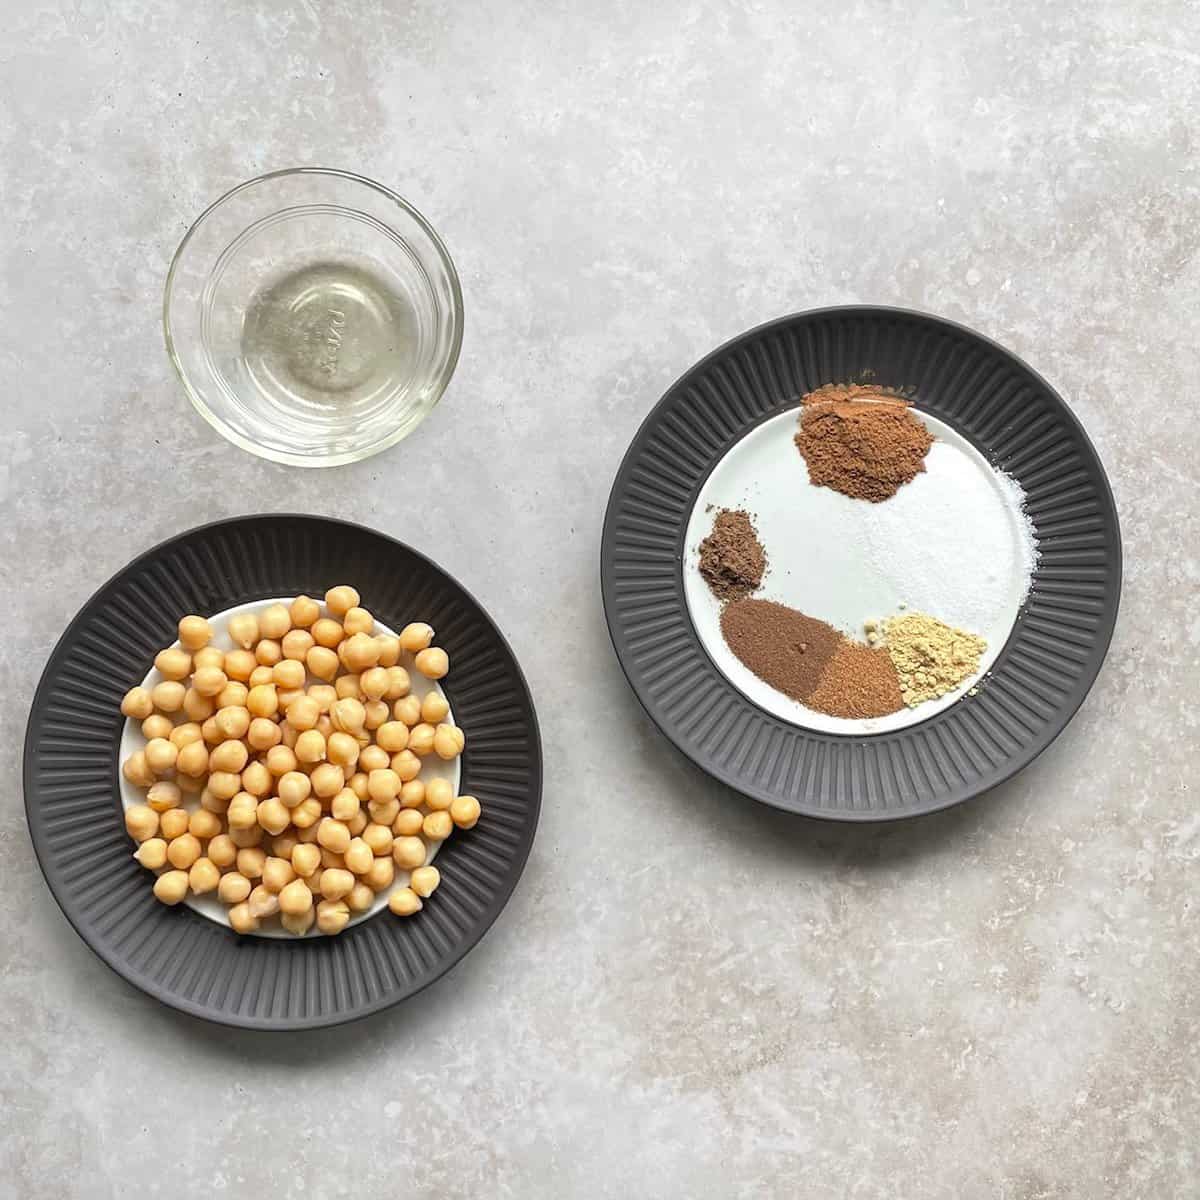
(688,995)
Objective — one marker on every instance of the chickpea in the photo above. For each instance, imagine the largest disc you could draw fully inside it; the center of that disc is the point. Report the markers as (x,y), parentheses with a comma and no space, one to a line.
(256,780)
(438,826)
(203,824)
(152,853)
(241,919)
(203,876)
(408,710)
(303,611)
(277,874)
(210,733)
(377,714)
(302,714)
(273,815)
(404,902)
(359,856)
(280,760)
(336,883)
(182,735)
(294,897)
(327,780)
(263,734)
(305,816)
(333,835)
(359,652)
(389,649)
(243,629)
(378,838)
(173,663)
(382,873)
(416,637)
(168,695)
(263,701)
(229,756)
(160,755)
(137,771)
(383,812)
(420,739)
(261,675)
(448,741)
(197,707)
(325,694)
(239,665)
(358,785)
(188,785)
(156,725)
(344,805)
(232,695)
(412,793)
(173,823)
(274,621)
(164,795)
(137,703)
(289,674)
(398,683)
(373,758)
(263,902)
(268,652)
(348,716)
(392,736)
(209,802)
(192,759)
(424,881)
(325,728)
(299,924)
(407,765)
(434,708)
(294,787)
(321,662)
(288,736)
(306,859)
(464,812)
(314,880)
(357,620)
(357,823)
(341,599)
(247,839)
(346,687)
(222,851)
(288,697)
(209,681)
(408,823)
(408,852)
(243,811)
(383,784)
(183,851)
(310,747)
(233,888)
(171,887)
(233,722)
(433,662)
(332,916)
(342,749)
(250,862)
(209,656)
(296,645)
(361,898)
(328,633)
(283,844)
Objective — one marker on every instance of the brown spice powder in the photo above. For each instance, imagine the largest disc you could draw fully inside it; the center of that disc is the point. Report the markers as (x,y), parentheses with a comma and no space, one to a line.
(859,681)
(861,441)
(781,646)
(732,559)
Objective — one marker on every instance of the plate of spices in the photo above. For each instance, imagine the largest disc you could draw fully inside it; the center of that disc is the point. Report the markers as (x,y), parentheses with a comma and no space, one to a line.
(861,563)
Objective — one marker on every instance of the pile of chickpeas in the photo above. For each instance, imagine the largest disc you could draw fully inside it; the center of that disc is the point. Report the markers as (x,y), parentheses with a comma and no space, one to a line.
(284,774)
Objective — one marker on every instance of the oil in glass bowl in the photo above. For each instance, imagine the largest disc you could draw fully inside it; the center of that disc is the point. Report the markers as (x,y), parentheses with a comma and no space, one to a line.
(315,318)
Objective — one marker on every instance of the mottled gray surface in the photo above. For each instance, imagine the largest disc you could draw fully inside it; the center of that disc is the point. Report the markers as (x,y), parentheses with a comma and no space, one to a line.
(688,996)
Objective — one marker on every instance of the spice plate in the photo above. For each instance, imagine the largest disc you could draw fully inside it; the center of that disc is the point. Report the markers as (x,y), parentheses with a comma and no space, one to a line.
(73,797)
(721,437)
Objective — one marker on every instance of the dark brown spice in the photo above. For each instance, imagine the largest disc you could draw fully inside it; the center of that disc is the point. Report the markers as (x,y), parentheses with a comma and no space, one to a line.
(732,559)
(781,646)
(861,441)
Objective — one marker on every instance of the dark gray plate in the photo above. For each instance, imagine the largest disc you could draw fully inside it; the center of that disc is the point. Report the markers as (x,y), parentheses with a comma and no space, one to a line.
(74,810)
(1057,644)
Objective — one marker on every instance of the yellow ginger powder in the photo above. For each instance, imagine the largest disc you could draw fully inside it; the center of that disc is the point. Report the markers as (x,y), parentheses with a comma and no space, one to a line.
(931,657)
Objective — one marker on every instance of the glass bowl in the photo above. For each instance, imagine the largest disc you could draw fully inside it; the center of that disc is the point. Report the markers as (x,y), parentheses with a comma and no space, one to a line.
(314,317)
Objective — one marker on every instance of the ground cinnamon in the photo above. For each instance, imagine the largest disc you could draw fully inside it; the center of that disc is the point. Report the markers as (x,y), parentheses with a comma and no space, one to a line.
(732,559)
(861,441)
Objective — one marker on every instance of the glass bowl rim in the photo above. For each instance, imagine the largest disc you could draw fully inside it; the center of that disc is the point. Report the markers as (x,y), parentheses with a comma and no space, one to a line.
(282,456)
